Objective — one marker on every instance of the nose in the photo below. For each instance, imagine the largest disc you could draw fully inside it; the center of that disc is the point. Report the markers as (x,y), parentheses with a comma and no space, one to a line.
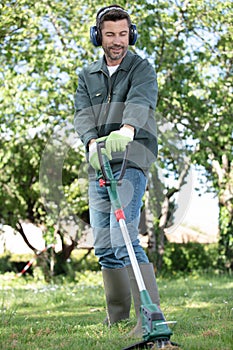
(116,40)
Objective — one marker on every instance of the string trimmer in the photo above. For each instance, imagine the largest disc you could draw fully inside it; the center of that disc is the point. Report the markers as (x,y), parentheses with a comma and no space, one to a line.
(156,332)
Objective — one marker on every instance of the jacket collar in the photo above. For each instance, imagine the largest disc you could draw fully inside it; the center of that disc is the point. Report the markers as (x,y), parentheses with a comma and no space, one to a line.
(100,65)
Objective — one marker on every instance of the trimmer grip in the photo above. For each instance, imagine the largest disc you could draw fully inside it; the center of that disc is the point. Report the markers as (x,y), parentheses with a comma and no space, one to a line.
(104,161)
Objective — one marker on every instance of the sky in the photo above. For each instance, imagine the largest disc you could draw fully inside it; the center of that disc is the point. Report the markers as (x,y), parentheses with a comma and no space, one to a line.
(197,210)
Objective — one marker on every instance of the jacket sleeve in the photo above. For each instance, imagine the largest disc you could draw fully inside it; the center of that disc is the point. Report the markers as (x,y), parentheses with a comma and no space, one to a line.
(142,98)
(84,121)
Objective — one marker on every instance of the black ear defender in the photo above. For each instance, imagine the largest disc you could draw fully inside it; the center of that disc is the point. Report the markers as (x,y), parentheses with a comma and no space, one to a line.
(95,34)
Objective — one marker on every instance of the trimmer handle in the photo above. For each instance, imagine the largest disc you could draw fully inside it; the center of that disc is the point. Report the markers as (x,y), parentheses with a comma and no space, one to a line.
(104,162)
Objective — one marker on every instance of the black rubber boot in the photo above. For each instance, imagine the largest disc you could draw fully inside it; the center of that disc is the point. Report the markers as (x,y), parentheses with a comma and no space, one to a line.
(149,279)
(117,293)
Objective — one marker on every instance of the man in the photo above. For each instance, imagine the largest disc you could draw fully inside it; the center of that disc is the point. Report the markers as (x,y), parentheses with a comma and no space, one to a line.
(115,102)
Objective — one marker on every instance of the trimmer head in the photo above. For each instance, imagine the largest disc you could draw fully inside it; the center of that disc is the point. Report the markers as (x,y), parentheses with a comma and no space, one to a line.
(156,333)
(154,325)
(158,344)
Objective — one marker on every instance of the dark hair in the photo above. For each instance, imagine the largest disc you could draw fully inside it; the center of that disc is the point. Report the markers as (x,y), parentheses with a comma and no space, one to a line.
(111,13)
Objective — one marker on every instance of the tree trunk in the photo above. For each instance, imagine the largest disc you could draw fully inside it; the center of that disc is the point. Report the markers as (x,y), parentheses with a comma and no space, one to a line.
(149,221)
(224,172)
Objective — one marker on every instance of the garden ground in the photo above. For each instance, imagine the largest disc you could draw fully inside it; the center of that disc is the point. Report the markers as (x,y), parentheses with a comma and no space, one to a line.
(35,315)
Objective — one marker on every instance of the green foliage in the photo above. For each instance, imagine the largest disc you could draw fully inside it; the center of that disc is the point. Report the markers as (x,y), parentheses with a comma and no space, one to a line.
(189,44)
(83,260)
(225,258)
(79,261)
(5,263)
(178,260)
(43,45)
(39,57)
(14,263)
(189,258)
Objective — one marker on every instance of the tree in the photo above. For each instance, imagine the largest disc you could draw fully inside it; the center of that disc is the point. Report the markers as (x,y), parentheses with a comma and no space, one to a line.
(39,58)
(44,44)
(189,43)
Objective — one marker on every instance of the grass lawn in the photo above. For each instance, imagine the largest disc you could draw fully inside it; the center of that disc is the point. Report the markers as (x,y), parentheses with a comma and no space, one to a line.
(38,316)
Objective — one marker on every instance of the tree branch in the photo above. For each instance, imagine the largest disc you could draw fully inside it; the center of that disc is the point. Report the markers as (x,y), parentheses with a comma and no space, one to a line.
(20,229)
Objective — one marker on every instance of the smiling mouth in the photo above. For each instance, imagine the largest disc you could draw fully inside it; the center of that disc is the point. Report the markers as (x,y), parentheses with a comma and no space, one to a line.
(117,48)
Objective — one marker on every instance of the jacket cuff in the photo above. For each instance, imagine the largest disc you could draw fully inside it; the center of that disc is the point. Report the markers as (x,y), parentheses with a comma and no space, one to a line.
(87,138)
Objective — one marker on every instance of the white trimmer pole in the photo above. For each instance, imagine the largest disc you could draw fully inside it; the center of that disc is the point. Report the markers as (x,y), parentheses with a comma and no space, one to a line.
(132,256)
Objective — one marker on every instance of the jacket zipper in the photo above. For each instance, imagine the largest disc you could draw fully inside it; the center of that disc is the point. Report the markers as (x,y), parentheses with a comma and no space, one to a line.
(109,86)
(109,96)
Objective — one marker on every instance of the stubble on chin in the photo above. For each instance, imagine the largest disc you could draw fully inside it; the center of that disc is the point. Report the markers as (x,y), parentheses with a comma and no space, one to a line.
(115,57)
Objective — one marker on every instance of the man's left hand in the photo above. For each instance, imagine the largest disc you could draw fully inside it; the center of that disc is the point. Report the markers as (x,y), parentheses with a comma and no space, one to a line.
(118,140)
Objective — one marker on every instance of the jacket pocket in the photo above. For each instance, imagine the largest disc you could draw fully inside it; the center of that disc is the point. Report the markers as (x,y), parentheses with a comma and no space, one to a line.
(97,96)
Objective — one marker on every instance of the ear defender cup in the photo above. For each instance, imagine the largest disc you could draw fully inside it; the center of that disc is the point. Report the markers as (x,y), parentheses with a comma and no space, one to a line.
(96,37)
(133,34)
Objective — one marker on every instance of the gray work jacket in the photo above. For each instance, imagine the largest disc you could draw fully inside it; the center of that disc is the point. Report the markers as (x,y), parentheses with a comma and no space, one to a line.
(129,96)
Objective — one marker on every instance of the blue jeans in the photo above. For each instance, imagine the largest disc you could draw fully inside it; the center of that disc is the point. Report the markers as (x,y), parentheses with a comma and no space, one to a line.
(109,244)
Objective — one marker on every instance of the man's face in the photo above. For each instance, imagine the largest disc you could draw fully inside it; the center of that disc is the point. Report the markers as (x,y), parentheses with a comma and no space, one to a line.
(115,40)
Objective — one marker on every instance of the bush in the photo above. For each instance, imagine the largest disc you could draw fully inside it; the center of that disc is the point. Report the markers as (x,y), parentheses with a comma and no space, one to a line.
(80,260)
(15,263)
(189,257)
(5,263)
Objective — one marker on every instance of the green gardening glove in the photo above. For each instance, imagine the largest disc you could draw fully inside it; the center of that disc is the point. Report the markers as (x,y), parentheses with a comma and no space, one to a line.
(118,140)
(93,153)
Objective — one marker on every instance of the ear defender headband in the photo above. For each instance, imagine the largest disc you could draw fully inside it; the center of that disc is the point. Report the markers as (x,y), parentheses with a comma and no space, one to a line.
(95,33)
